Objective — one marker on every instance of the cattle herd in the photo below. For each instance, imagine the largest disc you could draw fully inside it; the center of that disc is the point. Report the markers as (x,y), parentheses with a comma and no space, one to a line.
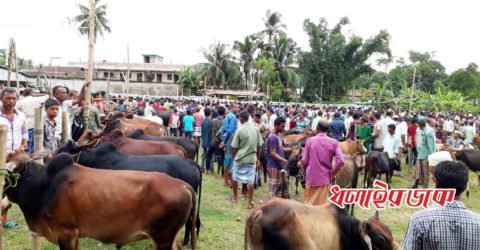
(159,191)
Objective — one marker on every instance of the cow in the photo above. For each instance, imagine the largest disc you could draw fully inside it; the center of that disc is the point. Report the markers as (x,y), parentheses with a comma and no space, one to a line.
(63,202)
(288,224)
(165,115)
(129,125)
(476,141)
(131,146)
(352,147)
(471,158)
(189,145)
(376,164)
(106,156)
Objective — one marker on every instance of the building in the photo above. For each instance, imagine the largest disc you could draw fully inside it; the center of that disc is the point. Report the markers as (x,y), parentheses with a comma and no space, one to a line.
(23,79)
(151,77)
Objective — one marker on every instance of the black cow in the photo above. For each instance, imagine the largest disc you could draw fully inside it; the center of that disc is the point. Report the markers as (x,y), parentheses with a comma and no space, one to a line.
(378,163)
(106,156)
(471,158)
(189,145)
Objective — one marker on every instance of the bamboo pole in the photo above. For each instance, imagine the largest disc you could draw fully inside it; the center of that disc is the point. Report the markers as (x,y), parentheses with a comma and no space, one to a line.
(3,167)
(88,81)
(38,146)
(38,133)
(9,61)
(413,88)
(128,70)
(64,127)
(16,66)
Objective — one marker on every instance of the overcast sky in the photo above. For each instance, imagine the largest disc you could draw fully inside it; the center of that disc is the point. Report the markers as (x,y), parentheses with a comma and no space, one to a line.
(178,29)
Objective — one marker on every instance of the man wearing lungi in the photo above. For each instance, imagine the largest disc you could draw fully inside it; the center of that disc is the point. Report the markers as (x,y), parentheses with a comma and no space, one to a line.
(246,146)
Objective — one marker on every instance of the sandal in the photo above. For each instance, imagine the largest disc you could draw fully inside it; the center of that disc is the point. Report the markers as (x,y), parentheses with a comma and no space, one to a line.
(11,225)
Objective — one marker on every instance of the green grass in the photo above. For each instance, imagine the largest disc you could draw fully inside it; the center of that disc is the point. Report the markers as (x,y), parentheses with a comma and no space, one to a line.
(223,222)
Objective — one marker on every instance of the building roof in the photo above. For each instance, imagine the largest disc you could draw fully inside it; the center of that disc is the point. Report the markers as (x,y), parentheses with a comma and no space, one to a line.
(133,66)
(58,72)
(13,75)
(233,93)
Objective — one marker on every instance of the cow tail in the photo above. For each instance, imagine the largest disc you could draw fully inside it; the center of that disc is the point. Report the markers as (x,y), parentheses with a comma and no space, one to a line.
(199,198)
(252,221)
(193,217)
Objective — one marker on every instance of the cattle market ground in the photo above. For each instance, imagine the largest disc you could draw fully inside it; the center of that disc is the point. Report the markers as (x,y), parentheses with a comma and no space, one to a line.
(223,222)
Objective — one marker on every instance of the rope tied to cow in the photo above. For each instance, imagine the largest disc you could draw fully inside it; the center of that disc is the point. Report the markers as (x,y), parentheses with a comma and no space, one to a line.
(11,179)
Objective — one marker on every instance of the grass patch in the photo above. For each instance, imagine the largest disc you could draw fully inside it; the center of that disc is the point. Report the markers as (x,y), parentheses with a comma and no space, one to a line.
(223,222)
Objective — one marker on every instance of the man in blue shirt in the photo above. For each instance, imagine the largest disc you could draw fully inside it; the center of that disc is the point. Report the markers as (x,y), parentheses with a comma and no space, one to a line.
(230,125)
(337,128)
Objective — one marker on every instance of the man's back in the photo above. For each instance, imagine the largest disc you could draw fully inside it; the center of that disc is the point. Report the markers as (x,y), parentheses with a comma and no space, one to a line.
(449,227)
(338,129)
(247,139)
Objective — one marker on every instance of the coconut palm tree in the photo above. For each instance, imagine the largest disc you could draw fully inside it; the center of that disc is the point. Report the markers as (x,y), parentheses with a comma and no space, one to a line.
(247,50)
(101,22)
(188,81)
(217,63)
(273,25)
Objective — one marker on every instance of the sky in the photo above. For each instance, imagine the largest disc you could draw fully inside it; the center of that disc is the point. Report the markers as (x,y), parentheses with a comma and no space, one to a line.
(177,30)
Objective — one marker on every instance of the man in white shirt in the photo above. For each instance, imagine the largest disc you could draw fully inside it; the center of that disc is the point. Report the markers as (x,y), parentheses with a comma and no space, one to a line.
(15,120)
(148,111)
(377,134)
(317,119)
(271,119)
(27,106)
(401,130)
(387,121)
(60,94)
(348,119)
(449,126)
(391,145)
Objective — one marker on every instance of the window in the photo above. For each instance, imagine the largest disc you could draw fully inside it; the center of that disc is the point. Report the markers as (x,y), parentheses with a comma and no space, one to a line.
(139,77)
(105,74)
(112,75)
(169,77)
(159,77)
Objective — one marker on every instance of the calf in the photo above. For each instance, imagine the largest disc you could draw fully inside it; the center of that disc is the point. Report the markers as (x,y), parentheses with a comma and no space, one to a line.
(189,145)
(106,156)
(287,224)
(64,202)
(352,147)
(376,164)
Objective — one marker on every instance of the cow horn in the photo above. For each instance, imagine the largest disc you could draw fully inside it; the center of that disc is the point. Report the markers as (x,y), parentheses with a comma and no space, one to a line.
(377,215)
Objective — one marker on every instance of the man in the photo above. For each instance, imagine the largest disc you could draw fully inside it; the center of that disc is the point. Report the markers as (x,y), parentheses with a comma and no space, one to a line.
(448,227)
(206,140)
(316,120)
(276,160)
(449,125)
(411,142)
(348,119)
(60,94)
(272,116)
(301,122)
(17,136)
(426,148)
(27,106)
(337,127)
(378,134)
(352,127)
(214,147)
(262,127)
(455,142)
(94,123)
(364,133)
(174,122)
(246,146)
(197,126)
(148,110)
(230,126)
(469,132)
(317,160)
(391,145)
(15,120)
(264,116)
(387,120)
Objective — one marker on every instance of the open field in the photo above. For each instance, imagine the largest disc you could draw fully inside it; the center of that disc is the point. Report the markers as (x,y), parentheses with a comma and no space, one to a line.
(223,222)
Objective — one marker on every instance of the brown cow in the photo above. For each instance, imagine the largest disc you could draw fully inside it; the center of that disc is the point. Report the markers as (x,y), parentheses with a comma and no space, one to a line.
(131,146)
(352,147)
(288,224)
(129,125)
(296,138)
(65,201)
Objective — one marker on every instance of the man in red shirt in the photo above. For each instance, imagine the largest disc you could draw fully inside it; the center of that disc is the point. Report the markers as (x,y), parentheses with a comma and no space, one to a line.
(411,143)
(162,107)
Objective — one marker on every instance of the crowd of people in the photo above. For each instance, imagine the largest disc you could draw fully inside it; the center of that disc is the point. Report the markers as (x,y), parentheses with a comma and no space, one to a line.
(232,135)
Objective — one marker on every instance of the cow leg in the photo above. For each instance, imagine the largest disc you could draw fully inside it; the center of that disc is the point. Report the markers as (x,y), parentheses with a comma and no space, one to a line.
(265,171)
(68,242)
(478,177)
(35,241)
(188,229)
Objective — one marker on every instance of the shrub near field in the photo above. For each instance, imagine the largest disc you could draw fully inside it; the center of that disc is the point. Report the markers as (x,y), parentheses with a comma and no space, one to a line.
(223,222)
